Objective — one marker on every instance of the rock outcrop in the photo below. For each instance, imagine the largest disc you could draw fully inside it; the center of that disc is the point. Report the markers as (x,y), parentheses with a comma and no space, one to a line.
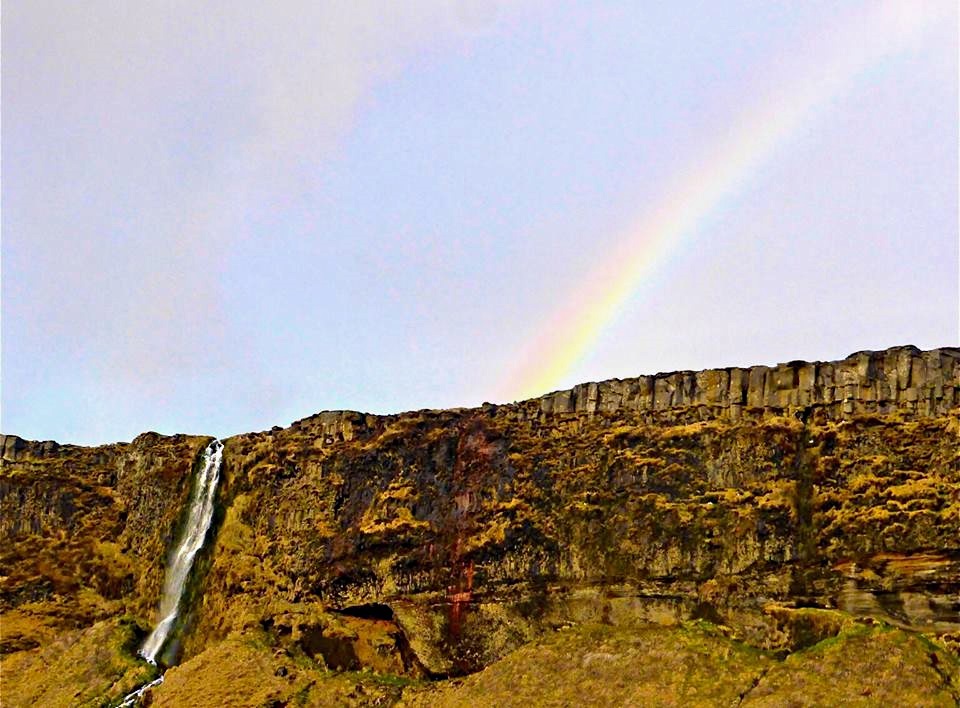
(897,379)
(435,543)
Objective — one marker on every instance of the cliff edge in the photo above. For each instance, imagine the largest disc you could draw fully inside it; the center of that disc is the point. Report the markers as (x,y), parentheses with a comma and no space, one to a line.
(738,510)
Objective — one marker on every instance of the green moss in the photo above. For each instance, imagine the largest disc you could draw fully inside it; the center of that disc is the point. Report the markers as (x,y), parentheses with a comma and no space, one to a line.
(866,664)
(90,667)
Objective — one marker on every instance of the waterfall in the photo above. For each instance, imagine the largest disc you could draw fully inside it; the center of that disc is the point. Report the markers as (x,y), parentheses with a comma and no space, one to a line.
(198,523)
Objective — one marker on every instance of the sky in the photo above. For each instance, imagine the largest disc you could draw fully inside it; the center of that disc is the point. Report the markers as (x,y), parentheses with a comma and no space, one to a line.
(222,216)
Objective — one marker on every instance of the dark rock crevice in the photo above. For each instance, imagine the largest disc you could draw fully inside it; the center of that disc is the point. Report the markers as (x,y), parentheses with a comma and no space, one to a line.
(756,682)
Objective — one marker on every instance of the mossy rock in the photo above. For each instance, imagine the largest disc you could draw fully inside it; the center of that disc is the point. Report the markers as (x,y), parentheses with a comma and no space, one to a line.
(91,667)
(863,665)
(598,665)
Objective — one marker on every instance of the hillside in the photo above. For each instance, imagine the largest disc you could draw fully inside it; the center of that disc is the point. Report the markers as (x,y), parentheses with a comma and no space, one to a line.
(759,535)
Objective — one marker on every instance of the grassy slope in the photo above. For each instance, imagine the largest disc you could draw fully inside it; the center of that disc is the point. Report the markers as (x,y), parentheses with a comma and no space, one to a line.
(695,664)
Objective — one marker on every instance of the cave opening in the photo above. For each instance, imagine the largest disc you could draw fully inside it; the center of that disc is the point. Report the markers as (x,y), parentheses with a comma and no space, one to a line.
(372,611)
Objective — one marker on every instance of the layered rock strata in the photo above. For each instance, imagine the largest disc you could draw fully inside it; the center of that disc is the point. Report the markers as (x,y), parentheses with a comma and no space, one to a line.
(897,379)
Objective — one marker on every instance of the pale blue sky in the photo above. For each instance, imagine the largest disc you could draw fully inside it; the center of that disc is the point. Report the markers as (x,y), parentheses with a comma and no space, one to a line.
(218,217)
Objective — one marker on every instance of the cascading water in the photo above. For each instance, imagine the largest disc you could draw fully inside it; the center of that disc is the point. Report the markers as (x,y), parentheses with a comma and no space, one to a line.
(199,516)
(198,523)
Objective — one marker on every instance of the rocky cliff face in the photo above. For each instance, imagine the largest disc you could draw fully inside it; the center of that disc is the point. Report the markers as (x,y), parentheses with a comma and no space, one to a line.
(84,532)
(435,543)
(898,379)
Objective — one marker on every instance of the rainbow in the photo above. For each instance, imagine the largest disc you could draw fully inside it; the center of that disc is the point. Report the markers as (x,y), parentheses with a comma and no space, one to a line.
(867,38)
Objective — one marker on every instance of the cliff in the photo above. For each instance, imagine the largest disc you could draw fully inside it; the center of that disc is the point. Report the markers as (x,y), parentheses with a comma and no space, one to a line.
(897,379)
(772,507)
